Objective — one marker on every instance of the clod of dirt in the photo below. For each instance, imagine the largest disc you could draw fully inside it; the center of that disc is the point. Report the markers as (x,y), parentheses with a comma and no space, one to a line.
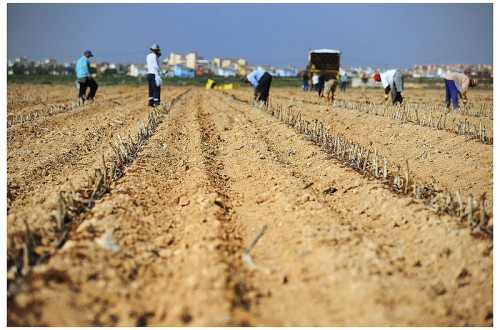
(107,242)
(330,190)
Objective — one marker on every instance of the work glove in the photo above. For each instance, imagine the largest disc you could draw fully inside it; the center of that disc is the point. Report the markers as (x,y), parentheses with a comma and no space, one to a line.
(158,80)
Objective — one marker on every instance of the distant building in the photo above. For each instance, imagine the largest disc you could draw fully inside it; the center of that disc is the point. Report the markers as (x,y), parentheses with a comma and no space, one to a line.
(288,72)
(477,73)
(227,72)
(193,64)
(175,58)
(183,72)
(21,60)
(203,70)
(50,61)
(192,59)
(137,70)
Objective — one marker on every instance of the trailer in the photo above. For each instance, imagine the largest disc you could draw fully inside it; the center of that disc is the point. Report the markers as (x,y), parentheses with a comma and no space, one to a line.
(324,60)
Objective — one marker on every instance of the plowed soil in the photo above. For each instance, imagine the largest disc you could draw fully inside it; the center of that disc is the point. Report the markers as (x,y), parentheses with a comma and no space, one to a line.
(229,217)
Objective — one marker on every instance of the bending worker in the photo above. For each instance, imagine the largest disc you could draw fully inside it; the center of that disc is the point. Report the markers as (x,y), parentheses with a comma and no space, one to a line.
(327,84)
(456,85)
(261,82)
(392,81)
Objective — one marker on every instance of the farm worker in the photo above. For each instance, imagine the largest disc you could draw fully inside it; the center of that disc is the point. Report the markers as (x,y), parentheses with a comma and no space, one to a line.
(456,85)
(314,80)
(343,82)
(392,81)
(364,81)
(323,79)
(305,81)
(154,78)
(261,82)
(84,78)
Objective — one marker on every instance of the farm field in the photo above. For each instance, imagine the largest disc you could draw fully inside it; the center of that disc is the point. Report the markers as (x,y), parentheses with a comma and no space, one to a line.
(212,211)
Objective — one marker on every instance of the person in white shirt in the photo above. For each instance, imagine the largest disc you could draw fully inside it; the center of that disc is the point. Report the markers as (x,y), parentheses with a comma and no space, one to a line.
(392,81)
(315,81)
(153,66)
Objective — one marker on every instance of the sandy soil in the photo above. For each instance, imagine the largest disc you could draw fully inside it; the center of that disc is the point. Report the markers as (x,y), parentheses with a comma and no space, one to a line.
(229,217)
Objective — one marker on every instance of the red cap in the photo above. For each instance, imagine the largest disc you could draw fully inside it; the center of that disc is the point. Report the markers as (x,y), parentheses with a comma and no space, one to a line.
(376,76)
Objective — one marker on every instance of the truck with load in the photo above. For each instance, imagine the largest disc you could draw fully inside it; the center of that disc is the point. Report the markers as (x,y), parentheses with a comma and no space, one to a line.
(324,60)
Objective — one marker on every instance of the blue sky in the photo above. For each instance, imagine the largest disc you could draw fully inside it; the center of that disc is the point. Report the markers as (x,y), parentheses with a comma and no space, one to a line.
(371,34)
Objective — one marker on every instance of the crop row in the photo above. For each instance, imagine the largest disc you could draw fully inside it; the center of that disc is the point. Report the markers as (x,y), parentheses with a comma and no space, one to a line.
(425,115)
(409,113)
(398,178)
(74,204)
(45,112)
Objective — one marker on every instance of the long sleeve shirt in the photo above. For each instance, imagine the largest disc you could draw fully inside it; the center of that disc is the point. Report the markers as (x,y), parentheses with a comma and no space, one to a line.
(387,77)
(315,79)
(461,80)
(254,77)
(153,64)
(82,67)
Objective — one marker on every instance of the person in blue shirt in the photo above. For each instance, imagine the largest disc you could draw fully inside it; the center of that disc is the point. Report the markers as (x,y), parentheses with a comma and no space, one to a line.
(343,82)
(85,79)
(261,82)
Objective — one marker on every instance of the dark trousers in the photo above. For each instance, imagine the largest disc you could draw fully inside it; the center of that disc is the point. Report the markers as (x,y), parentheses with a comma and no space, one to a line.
(154,91)
(396,96)
(87,83)
(397,87)
(305,85)
(451,93)
(262,90)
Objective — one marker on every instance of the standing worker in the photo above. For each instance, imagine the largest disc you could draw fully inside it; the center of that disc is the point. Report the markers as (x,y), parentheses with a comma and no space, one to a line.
(343,82)
(84,78)
(305,80)
(392,81)
(456,85)
(261,82)
(364,81)
(154,78)
(314,80)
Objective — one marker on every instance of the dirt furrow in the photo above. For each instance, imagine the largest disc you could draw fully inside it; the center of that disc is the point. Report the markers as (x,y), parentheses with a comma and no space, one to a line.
(37,168)
(166,246)
(158,211)
(448,161)
(33,213)
(353,242)
(237,282)
(20,104)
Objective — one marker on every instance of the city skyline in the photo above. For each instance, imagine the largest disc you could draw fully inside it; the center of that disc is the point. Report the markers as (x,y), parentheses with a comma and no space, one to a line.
(263,34)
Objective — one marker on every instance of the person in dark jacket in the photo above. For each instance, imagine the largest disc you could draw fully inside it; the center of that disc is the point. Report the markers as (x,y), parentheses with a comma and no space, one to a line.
(324,84)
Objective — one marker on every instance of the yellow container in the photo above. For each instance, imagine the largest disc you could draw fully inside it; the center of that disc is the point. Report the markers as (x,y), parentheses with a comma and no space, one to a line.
(210,84)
